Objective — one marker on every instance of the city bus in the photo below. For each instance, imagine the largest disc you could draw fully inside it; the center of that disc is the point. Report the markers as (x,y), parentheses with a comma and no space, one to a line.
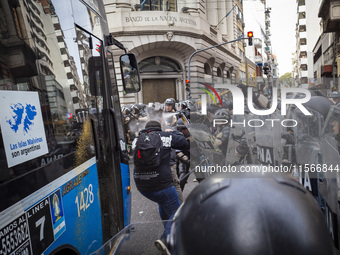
(64,175)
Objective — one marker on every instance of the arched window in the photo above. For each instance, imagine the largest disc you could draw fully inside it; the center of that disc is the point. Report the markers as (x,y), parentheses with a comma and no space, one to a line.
(219,75)
(207,69)
(207,73)
(158,64)
(219,72)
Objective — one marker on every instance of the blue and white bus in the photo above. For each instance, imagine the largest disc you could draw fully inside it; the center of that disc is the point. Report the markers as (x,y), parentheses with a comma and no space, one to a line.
(64,175)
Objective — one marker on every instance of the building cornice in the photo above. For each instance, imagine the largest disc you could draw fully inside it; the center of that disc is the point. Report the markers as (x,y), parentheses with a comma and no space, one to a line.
(178,33)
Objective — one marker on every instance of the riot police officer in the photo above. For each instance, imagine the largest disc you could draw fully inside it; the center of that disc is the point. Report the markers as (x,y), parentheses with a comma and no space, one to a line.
(222,131)
(183,156)
(335,97)
(183,109)
(169,114)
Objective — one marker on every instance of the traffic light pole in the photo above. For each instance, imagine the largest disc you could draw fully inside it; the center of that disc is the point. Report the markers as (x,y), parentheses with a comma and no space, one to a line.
(193,54)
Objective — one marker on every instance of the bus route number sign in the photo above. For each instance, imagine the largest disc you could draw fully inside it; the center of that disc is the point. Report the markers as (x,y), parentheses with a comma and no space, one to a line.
(40,226)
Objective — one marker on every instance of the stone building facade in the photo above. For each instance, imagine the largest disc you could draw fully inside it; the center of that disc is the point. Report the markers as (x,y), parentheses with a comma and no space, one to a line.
(164,34)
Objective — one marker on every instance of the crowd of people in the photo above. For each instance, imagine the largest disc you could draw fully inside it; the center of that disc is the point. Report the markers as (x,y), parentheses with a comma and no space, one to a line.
(159,179)
(163,183)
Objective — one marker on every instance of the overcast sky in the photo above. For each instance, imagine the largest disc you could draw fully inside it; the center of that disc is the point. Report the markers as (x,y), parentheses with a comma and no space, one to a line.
(283,20)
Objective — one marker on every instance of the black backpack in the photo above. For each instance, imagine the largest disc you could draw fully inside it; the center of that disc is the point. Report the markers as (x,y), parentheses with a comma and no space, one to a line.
(148,150)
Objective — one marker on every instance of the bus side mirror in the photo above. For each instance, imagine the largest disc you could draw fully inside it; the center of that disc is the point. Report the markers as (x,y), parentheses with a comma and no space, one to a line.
(130,73)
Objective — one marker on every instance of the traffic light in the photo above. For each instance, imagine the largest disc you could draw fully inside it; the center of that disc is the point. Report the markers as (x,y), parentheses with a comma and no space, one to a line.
(266,68)
(250,38)
(187,85)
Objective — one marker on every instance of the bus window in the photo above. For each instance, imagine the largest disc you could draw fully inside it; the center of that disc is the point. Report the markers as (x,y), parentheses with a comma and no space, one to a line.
(58,135)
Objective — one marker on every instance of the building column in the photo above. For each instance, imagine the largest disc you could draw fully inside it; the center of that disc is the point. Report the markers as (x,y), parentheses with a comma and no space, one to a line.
(211,10)
(222,11)
(230,21)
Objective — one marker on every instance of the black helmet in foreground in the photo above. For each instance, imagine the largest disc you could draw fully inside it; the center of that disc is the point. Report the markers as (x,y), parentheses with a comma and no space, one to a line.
(250,216)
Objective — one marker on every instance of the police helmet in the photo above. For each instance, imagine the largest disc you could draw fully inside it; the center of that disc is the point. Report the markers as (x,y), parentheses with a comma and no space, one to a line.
(250,216)
(136,109)
(180,125)
(170,101)
(183,105)
(126,109)
(190,104)
(222,114)
(335,94)
(142,106)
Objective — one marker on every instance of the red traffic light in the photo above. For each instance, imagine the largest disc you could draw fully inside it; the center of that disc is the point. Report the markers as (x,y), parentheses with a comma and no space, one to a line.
(250,34)
(187,81)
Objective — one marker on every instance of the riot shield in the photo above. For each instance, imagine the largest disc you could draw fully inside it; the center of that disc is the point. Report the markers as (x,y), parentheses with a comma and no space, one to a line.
(307,136)
(240,141)
(204,152)
(251,140)
(268,132)
(329,181)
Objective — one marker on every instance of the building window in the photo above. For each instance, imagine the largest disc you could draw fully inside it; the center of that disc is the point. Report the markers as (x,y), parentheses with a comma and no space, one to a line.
(301,3)
(158,5)
(219,72)
(302,15)
(239,14)
(303,41)
(304,67)
(207,73)
(303,80)
(302,28)
(158,64)
(239,32)
(207,69)
(303,54)
(317,55)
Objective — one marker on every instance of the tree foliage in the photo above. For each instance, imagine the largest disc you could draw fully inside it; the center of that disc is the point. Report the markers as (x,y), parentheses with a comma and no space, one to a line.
(286,80)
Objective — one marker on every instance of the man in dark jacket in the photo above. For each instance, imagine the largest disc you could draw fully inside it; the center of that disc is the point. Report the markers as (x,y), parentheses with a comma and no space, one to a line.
(157,184)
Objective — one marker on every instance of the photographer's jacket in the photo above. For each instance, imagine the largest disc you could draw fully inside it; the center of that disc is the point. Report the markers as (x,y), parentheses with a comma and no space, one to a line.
(159,178)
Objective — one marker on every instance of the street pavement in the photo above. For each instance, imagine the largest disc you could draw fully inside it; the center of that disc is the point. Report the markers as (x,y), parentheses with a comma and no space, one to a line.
(146,222)
(143,209)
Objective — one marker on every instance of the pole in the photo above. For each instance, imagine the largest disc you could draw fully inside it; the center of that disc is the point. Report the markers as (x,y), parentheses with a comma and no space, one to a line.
(193,54)
(226,15)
